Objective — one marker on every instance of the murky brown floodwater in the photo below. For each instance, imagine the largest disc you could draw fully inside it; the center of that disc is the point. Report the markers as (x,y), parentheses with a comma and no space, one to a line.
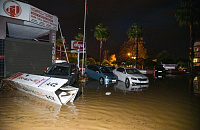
(170,103)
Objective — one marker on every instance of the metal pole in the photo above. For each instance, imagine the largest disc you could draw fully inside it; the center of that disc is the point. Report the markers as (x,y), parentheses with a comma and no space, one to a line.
(84,37)
(78,58)
(63,43)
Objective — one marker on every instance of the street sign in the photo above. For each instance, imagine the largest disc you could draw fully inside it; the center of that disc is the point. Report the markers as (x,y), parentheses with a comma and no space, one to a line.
(77,51)
(77,45)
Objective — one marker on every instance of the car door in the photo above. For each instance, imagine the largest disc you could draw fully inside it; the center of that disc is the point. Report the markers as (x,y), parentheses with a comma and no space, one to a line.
(123,74)
(89,71)
(96,73)
(119,73)
(92,72)
(73,74)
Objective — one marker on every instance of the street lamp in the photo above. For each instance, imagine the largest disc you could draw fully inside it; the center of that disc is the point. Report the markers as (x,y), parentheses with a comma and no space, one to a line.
(131,56)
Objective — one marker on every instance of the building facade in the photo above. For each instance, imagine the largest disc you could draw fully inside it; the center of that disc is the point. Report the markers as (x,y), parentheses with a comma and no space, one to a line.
(21,25)
(197,53)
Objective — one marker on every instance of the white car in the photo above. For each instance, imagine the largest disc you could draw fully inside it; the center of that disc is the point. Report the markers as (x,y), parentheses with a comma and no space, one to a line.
(130,76)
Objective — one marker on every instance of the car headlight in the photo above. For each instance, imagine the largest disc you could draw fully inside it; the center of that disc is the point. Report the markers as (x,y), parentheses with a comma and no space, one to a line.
(133,78)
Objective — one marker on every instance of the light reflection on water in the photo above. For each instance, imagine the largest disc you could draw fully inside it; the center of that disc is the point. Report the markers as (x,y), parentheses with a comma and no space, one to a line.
(168,103)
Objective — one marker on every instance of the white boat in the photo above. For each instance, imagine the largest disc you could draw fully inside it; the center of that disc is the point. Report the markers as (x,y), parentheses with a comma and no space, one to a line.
(49,88)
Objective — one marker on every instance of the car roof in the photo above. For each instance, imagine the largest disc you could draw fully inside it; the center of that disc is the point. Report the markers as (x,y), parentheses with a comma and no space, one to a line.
(95,65)
(127,67)
(108,66)
(64,64)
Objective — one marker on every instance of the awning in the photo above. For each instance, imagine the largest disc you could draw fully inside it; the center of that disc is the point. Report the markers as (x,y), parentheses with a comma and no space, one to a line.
(25,31)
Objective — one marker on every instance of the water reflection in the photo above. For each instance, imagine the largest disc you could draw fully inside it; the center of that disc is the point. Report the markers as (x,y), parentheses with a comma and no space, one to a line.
(93,84)
(132,88)
(24,101)
(164,104)
(108,88)
(165,76)
(24,104)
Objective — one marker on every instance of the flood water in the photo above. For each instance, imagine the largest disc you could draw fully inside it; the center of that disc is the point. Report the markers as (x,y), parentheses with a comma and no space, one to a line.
(172,103)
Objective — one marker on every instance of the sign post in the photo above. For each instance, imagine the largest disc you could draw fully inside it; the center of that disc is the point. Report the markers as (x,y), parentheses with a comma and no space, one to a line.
(78,47)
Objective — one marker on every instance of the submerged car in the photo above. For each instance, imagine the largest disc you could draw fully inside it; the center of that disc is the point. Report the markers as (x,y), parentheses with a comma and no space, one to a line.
(63,70)
(130,76)
(160,71)
(101,73)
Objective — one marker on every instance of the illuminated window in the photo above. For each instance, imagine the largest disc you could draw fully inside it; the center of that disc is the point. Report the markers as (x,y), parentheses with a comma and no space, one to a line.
(195,60)
(196,49)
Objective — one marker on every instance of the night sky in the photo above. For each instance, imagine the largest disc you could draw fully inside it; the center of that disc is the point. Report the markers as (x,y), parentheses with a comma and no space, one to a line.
(162,32)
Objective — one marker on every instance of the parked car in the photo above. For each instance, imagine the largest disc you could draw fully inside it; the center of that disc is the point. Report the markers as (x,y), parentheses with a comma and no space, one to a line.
(160,71)
(182,68)
(130,76)
(60,61)
(63,70)
(101,73)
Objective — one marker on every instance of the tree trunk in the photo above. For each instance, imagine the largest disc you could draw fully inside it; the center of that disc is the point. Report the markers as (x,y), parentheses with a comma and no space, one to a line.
(191,47)
(136,59)
(100,50)
(60,53)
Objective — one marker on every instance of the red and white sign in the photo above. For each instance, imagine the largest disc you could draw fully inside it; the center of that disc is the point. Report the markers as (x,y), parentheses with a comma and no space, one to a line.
(23,11)
(14,9)
(42,18)
(77,45)
(44,87)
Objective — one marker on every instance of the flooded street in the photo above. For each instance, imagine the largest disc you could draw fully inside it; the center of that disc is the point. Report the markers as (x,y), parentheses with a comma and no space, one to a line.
(170,103)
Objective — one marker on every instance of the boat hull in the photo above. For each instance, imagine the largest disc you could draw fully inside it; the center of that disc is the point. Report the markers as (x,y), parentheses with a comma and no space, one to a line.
(48,88)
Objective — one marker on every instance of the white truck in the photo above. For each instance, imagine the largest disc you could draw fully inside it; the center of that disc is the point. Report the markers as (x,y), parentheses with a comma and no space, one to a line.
(169,66)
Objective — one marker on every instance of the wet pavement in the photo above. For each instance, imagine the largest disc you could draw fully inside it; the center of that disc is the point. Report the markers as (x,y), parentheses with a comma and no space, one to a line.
(169,103)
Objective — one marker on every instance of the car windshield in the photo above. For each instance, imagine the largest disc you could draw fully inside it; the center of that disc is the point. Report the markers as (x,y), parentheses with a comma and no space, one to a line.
(111,67)
(105,70)
(133,71)
(58,70)
(159,68)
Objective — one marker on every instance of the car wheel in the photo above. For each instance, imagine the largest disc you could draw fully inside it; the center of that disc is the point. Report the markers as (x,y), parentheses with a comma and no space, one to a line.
(85,75)
(101,80)
(127,83)
(77,78)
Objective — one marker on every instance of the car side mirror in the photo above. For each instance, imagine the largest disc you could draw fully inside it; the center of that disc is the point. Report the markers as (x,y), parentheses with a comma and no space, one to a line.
(47,68)
(124,72)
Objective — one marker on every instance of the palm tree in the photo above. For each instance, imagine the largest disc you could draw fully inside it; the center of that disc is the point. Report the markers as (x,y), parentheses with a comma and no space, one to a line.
(135,32)
(188,14)
(79,37)
(59,43)
(101,33)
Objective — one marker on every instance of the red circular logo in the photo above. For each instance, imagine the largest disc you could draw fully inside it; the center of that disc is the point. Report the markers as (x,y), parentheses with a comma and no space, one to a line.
(12,8)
